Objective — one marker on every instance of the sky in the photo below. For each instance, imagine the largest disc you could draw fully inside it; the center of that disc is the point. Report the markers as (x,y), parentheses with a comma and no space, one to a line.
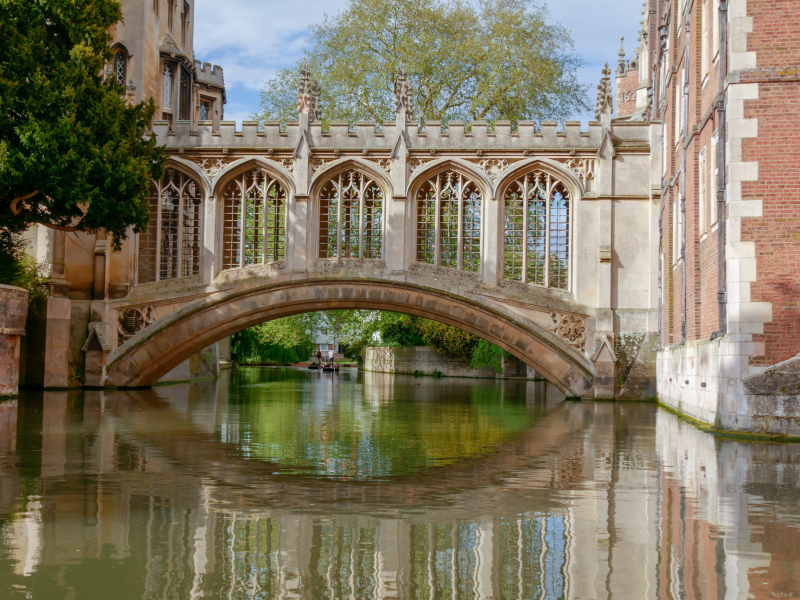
(252,39)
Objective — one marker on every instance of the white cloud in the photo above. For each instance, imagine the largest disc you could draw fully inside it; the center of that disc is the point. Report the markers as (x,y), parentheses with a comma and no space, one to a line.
(251,39)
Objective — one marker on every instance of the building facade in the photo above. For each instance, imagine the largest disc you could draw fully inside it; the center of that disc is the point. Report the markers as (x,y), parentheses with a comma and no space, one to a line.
(721,76)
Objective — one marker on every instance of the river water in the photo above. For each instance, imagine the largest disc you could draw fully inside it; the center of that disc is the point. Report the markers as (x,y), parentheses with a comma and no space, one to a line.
(287,483)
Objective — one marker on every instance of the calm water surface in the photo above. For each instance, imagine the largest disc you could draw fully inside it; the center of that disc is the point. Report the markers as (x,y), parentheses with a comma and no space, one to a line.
(285,483)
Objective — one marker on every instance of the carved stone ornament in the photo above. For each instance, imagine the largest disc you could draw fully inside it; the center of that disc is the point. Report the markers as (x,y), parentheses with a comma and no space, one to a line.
(583,168)
(212,166)
(403,93)
(308,96)
(383,163)
(132,320)
(493,166)
(570,328)
(287,163)
(416,163)
(604,96)
(318,164)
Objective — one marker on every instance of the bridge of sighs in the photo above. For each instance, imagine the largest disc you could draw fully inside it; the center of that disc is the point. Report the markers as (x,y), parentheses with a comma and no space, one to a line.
(537,237)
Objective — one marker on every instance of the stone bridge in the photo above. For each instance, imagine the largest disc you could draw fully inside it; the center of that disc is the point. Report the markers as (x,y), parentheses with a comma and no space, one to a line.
(533,238)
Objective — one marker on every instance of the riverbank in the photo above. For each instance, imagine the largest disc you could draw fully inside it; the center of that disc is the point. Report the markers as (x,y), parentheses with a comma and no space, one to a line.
(424,360)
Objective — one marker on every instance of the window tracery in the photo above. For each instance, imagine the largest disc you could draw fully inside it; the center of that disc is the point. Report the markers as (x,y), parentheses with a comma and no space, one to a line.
(167,95)
(449,213)
(254,220)
(350,217)
(170,246)
(120,66)
(537,230)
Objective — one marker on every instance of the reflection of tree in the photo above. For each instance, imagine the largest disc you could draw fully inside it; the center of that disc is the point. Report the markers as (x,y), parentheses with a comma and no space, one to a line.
(338,433)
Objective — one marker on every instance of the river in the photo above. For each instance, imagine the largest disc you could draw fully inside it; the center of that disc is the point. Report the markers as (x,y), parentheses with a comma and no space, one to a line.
(288,483)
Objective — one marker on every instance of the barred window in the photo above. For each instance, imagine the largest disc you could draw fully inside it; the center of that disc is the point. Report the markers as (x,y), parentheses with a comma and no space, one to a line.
(350,217)
(170,246)
(120,64)
(536,231)
(449,222)
(254,220)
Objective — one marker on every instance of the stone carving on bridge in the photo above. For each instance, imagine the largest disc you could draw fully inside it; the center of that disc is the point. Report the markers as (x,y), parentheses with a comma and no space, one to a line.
(493,167)
(317,164)
(403,93)
(383,163)
(605,99)
(132,320)
(212,166)
(570,328)
(287,163)
(583,169)
(417,163)
(308,96)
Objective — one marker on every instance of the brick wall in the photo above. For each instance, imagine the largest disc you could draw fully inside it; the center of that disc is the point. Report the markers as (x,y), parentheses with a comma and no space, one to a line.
(626,92)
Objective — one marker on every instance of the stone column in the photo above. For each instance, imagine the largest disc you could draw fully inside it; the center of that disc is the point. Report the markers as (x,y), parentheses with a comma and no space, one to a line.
(13,311)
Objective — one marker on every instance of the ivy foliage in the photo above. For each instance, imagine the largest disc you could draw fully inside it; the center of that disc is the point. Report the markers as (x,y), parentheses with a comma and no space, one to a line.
(73,151)
(466,60)
(19,269)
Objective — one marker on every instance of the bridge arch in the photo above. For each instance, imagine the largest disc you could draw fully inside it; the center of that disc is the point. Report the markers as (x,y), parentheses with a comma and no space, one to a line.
(160,347)
(242,165)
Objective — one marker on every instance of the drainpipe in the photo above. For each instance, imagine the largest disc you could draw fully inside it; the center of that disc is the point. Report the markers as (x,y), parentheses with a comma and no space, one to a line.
(722,267)
(685,116)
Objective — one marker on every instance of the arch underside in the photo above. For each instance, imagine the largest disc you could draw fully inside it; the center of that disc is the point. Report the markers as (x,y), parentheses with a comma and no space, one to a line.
(162,346)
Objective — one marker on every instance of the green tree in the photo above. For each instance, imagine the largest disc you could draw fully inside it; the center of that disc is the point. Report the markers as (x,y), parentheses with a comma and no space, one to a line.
(73,152)
(282,341)
(467,60)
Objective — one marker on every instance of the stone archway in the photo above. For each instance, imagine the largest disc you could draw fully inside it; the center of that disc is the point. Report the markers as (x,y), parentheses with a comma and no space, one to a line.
(157,349)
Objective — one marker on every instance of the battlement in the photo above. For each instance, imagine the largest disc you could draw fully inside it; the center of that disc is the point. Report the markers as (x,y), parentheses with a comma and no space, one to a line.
(367,135)
(209,74)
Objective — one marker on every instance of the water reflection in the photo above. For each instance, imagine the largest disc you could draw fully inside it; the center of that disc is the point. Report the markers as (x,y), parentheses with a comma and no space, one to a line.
(287,484)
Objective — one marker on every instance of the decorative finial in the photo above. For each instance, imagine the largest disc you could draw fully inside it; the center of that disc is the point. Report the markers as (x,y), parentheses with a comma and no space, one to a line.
(621,68)
(604,97)
(404,99)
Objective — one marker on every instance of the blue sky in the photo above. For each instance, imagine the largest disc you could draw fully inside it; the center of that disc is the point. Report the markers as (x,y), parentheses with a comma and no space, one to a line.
(251,39)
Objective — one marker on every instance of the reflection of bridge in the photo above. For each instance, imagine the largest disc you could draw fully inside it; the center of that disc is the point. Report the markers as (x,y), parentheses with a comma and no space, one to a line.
(584,521)
(532,239)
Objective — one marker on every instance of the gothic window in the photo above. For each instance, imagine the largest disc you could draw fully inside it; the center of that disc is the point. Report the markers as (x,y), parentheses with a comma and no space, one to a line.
(254,220)
(449,222)
(167,95)
(186,95)
(350,217)
(536,230)
(184,22)
(120,67)
(205,110)
(170,246)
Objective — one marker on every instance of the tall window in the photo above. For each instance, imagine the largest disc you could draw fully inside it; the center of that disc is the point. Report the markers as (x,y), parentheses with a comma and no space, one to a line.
(536,227)
(350,217)
(167,90)
(449,222)
(703,199)
(714,180)
(186,95)
(170,13)
(170,247)
(205,110)
(704,51)
(254,220)
(120,66)
(184,22)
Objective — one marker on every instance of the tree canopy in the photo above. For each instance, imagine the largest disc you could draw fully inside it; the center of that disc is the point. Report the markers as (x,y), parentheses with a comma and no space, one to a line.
(467,60)
(73,151)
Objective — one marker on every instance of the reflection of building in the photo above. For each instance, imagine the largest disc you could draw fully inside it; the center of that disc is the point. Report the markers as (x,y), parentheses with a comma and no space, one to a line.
(593,503)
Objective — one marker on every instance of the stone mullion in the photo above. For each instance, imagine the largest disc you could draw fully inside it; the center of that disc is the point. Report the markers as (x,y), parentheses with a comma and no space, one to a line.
(525,209)
(460,236)
(547,224)
(361,217)
(265,224)
(181,189)
(339,223)
(159,204)
(243,222)
(437,230)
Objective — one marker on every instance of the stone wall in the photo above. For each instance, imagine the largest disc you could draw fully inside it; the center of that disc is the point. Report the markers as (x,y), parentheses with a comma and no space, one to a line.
(423,359)
(13,310)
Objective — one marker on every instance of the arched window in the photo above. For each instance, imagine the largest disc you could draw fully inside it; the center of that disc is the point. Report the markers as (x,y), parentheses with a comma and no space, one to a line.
(449,222)
(120,65)
(254,220)
(170,247)
(536,221)
(350,217)
(167,96)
